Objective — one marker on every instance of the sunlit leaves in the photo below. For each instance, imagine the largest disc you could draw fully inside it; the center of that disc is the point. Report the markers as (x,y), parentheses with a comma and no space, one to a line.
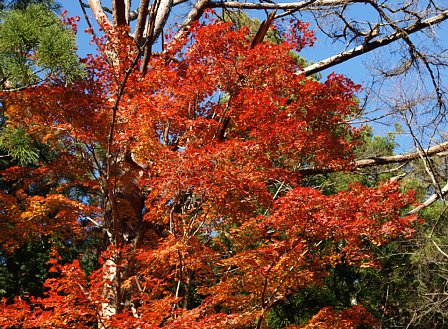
(192,171)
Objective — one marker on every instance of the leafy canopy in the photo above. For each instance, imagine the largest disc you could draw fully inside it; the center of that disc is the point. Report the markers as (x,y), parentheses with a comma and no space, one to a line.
(192,173)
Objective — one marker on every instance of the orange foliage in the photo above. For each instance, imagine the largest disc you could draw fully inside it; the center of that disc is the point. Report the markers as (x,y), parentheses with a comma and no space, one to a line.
(213,137)
(351,318)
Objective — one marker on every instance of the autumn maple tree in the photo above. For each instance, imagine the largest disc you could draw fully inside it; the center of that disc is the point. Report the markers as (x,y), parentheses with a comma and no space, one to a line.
(189,165)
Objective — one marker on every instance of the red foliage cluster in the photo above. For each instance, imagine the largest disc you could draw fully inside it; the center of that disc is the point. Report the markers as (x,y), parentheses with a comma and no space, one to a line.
(217,132)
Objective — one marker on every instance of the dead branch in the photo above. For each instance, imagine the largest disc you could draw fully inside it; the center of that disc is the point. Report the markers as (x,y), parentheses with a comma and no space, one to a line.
(433,198)
(264,26)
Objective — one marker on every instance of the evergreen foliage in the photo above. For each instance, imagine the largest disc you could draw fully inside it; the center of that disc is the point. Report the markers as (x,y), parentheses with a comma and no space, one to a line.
(16,143)
(34,45)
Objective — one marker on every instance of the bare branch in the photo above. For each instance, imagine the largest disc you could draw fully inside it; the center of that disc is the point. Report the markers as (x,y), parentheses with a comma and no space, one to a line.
(263,30)
(284,6)
(439,249)
(193,15)
(362,49)
(132,15)
(98,12)
(150,27)
(163,11)
(433,198)
(400,158)
(429,167)
(127,10)
(379,161)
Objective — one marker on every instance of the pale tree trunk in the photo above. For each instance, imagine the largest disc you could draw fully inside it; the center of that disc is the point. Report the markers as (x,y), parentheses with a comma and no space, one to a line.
(123,199)
(109,295)
(123,212)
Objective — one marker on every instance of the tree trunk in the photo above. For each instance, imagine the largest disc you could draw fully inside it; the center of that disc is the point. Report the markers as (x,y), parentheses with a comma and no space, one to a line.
(123,212)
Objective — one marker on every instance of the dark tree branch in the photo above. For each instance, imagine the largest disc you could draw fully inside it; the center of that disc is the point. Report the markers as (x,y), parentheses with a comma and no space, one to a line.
(150,37)
(141,21)
(264,27)
(119,12)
